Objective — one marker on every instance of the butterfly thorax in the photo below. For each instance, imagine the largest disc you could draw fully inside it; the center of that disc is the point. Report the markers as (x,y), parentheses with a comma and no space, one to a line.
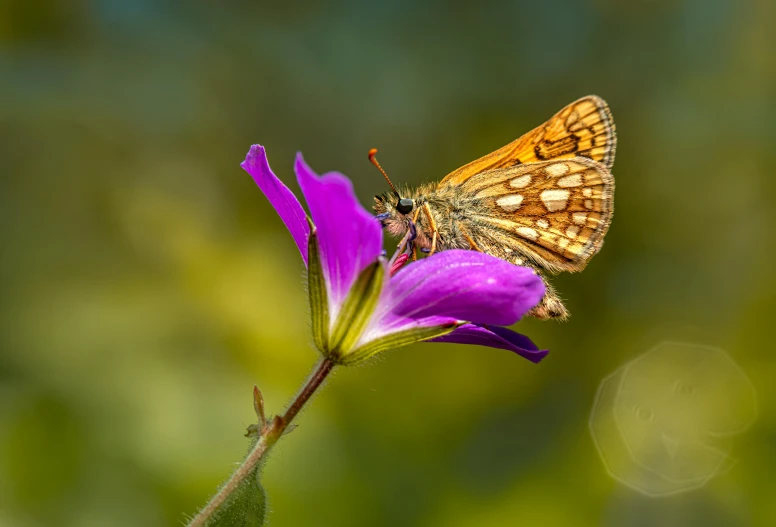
(449,208)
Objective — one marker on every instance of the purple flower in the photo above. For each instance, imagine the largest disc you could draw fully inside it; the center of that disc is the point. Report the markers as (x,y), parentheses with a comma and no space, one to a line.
(359,309)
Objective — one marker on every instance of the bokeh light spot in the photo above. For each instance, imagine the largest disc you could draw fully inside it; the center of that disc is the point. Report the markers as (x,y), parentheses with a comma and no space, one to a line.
(663,423)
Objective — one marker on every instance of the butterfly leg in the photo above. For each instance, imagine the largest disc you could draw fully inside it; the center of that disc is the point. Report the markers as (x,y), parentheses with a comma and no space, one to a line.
(408,242)
(415,222)
(468,238)
(432,224)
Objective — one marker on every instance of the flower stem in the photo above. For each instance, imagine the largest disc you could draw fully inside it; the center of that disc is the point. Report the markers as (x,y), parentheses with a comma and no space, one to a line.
(268,436)
(315,380)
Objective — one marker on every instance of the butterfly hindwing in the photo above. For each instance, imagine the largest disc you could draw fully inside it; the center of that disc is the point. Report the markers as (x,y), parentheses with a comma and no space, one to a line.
(584,128)
(555,213)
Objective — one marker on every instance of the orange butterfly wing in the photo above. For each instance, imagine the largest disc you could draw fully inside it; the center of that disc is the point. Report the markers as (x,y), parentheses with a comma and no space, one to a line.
(584,128)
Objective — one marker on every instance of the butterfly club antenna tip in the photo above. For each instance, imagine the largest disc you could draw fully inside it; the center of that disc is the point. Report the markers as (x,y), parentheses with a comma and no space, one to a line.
(373,160)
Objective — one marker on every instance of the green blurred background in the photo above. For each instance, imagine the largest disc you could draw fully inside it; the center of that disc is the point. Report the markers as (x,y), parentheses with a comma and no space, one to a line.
(146,283)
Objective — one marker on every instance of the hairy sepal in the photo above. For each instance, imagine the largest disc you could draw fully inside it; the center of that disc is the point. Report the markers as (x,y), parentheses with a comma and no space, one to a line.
(316,291)
(356,311)
(397,340)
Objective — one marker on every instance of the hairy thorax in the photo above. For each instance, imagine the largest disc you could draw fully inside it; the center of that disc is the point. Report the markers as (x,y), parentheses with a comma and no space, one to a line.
(447,208)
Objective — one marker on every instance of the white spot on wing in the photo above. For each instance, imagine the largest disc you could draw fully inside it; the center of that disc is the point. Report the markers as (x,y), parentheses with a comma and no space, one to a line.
(528,232)
(572,231)
(555,199)
(521,181)
(557,170)
(587,192)
(573,180)
(588,203)
(510,203)
(544,224)
(580,218)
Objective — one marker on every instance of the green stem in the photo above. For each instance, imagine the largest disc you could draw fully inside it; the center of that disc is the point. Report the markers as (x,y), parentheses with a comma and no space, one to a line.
(267,438)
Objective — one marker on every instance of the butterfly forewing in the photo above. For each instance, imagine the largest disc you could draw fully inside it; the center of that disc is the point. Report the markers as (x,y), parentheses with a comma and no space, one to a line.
(556,213)
(584,128)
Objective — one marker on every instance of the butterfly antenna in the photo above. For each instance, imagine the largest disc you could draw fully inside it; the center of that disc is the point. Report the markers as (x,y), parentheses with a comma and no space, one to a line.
(372,158)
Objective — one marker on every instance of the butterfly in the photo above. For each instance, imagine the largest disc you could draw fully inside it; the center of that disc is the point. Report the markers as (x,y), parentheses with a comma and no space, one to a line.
(544,200)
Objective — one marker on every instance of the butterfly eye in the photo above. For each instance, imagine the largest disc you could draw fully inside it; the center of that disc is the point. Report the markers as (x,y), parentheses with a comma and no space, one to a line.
(404,206)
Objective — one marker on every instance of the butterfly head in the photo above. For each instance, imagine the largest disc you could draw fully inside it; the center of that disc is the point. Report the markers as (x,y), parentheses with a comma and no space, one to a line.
(389,205)
(394,212)
(392,209)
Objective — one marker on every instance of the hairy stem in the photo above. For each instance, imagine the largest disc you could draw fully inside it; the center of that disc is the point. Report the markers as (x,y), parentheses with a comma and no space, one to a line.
(315,380)
(267,438)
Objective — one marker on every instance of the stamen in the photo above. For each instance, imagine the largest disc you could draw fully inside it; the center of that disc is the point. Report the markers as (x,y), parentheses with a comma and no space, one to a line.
(425,250)
(399,263)
(383,216)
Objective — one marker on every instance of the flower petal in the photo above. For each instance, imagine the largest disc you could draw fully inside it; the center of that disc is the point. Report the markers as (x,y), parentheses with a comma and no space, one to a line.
(349,237)
(466,285)
(495,337)
(280,197)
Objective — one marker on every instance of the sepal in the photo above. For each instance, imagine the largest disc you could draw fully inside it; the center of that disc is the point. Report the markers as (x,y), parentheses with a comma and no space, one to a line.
(356,311)
(397,340)
(316,291)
